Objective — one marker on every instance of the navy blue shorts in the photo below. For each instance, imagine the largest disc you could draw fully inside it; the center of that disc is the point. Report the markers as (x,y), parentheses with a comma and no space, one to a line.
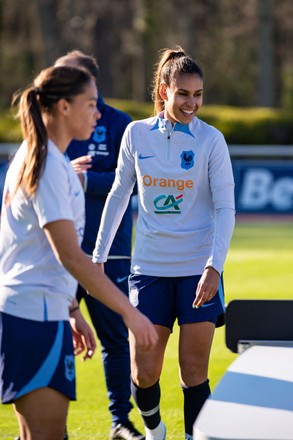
(164,299)
(34,355)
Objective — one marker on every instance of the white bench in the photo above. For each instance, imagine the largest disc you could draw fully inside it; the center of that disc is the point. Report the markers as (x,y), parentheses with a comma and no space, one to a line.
(254,399)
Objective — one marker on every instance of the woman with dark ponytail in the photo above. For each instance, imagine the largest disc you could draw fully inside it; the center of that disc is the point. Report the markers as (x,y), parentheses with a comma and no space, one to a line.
(42,222)
(184,226)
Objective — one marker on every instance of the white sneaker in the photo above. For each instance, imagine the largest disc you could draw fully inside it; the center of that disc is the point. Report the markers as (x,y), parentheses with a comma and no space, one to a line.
(159,433)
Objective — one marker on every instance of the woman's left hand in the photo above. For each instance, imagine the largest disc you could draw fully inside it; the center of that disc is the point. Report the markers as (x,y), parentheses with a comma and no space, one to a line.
(82,163)
(207,287)
(83,336)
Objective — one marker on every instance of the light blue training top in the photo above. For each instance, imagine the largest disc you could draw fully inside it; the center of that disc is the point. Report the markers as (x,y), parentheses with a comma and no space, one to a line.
(186,209)
(33,283)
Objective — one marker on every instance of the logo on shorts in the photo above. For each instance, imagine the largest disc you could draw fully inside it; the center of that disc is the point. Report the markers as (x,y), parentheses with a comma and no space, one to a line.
(187,159)
(133,296)
(168,204)
(69,367)
(207,304)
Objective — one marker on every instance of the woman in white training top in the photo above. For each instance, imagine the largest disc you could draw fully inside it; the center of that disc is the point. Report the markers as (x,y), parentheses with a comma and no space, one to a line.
(185,222)
(40,258)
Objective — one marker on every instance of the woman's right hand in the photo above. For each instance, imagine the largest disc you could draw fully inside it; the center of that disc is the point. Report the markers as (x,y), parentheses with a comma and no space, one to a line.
(142,328)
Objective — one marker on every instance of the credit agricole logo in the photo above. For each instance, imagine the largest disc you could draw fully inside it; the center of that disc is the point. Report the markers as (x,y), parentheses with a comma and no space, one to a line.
(168,204)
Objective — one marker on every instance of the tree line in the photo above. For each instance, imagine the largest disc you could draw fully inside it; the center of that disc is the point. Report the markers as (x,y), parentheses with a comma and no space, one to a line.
(244,47)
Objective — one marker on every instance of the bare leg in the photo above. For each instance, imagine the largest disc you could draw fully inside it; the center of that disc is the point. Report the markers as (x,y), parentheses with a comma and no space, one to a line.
(146,366)
(42,414)
(195,343)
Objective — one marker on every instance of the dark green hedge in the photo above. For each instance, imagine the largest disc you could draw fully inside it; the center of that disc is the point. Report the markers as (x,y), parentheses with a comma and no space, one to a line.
(249,126)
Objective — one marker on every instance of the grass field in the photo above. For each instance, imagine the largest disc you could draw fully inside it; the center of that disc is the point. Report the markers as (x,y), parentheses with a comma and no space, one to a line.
(259,266)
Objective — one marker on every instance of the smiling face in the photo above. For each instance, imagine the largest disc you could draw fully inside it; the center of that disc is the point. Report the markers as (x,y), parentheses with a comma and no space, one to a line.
(183,97)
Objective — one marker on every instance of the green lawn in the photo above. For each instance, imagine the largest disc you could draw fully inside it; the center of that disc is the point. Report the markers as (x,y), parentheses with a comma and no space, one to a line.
(259,265)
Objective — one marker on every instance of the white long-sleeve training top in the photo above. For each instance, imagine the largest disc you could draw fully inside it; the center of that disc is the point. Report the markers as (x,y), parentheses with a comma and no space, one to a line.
(186,209)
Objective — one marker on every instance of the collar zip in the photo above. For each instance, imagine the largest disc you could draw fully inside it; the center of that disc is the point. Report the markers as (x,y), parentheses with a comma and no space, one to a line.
(170,131)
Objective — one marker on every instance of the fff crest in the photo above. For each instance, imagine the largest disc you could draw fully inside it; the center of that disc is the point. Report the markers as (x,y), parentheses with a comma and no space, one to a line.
(69,367)
(187,159)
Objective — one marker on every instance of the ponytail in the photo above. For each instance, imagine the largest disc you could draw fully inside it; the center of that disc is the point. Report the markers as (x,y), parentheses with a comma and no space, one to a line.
(170,62)
(34,131)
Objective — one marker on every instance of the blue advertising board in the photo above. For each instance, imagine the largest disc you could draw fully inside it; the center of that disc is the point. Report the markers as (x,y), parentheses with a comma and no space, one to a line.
(264,186)
(261,187)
